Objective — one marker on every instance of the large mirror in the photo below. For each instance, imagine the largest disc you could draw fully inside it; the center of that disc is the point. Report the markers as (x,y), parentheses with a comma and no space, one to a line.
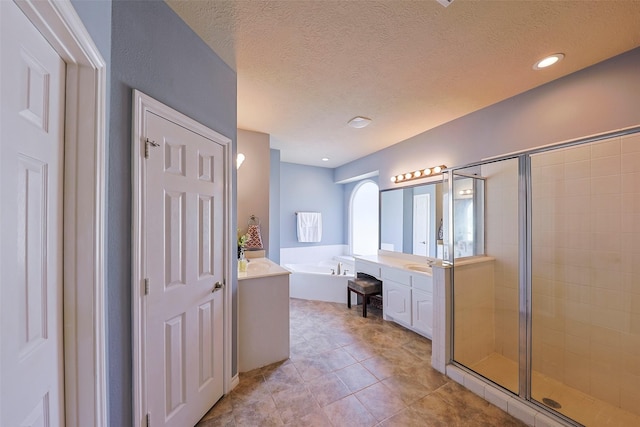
(411,218)
(468,214)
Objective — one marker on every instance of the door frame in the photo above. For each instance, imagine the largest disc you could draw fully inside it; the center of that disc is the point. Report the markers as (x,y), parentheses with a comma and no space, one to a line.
(142,104)
(85,391)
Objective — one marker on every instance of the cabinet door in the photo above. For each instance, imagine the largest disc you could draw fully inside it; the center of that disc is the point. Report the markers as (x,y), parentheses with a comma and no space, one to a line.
(422,319)
(397,301)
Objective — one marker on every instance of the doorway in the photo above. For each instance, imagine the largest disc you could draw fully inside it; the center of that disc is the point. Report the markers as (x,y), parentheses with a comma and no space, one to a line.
(82,207)
(421,224)
(181,261)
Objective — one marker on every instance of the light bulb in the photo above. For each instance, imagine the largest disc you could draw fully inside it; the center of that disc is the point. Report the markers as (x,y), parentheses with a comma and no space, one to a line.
(239,160)
(548,61)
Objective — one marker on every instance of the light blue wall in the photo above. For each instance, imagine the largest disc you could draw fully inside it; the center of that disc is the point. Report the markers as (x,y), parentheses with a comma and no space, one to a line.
(274,206)
(310,188)
(148,48)
(597,99)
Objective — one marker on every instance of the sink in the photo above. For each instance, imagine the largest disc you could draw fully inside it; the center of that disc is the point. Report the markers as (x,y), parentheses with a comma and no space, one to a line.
(419,267)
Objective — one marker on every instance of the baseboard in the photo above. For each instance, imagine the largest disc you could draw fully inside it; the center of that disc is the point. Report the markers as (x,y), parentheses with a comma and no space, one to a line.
(235,381)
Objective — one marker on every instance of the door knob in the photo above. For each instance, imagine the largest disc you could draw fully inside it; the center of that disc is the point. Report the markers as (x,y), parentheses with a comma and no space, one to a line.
(218,285)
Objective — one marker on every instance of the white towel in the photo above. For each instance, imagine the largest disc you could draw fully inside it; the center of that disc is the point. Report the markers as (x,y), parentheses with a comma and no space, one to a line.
(309,226)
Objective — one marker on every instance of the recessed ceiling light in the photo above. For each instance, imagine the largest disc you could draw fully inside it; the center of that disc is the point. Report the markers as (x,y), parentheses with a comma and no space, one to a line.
(359,122)
(325,159)
(548,61)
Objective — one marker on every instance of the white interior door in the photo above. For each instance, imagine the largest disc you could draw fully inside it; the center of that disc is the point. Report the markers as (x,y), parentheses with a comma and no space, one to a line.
(31,168)
(421,224)
(183,220)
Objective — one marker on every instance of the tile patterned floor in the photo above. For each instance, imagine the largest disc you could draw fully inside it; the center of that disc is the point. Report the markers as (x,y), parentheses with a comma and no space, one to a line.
(346,370)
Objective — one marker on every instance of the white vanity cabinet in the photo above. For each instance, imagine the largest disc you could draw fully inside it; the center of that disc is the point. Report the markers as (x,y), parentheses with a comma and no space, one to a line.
(407,295)
(396,300)
(422,312)
(396,294)
(422,303)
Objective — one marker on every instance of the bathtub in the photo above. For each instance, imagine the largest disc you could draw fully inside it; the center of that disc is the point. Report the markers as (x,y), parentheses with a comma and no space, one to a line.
(314,281)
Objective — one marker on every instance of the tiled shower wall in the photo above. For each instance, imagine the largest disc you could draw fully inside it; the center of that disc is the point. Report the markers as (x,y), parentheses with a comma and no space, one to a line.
(486,295)
(474,311)
(501,240)
(586,268)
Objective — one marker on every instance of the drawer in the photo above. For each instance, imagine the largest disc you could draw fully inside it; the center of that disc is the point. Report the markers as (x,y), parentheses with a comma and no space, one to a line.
(368,268)
(423,282)
(400,276)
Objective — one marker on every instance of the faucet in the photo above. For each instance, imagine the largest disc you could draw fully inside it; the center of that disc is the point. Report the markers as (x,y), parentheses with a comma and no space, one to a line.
(339,267)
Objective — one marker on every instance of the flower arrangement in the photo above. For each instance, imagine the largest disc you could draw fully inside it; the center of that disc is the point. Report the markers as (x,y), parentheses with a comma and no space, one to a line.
(242,240)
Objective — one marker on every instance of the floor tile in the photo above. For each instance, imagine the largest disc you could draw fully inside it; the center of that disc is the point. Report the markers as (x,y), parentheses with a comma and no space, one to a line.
(294,403)
(337,359)
(360,350)
(356,377)
(381,367)
(327,389)
(311,368)
(406,388)
(348,411)
(380,401)
(345,370)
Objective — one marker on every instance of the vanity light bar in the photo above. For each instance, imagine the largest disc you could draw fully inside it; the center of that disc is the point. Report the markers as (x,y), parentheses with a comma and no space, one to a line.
(421,173)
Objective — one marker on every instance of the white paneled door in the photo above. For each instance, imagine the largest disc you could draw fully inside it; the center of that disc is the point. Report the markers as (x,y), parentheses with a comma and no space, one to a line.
(421,224)
(183,222)
(31,168)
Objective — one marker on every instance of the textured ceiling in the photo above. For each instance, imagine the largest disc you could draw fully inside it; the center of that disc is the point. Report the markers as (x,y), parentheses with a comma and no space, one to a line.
(306,67)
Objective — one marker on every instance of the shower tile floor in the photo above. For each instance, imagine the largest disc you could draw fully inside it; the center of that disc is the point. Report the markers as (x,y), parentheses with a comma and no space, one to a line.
(575,404)
(346,370)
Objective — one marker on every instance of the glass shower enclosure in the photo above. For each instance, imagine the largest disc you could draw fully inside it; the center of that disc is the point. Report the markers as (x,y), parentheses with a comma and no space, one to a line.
(545,248)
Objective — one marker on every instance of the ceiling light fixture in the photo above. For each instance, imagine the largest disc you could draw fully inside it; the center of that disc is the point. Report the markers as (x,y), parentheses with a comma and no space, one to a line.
(359,122)
(325,159)
(421,173)
(548,61)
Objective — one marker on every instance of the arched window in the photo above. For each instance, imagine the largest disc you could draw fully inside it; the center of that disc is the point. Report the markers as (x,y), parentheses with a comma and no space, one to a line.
(364,216)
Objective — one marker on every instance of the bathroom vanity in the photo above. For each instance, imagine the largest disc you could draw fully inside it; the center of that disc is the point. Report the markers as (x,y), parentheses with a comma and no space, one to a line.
(263,314)
(416,295)
(407,289)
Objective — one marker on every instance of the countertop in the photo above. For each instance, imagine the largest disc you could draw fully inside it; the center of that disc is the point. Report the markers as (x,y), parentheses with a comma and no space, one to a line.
(410,261)
(262,267)
(421,267)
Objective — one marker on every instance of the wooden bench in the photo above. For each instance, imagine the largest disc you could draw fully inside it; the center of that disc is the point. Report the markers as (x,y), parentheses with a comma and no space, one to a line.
(364,285)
